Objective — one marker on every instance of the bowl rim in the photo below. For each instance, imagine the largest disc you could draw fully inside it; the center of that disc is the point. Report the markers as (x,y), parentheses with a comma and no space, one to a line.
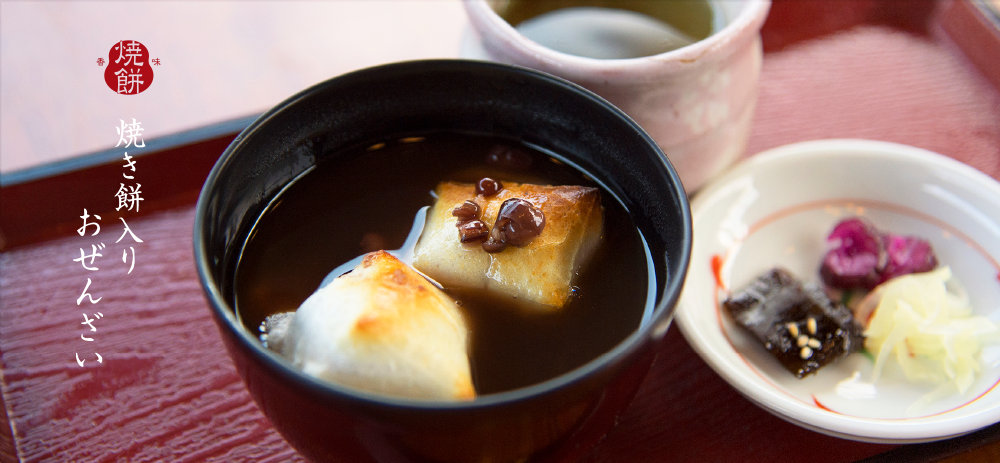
(892,431)
(662,314)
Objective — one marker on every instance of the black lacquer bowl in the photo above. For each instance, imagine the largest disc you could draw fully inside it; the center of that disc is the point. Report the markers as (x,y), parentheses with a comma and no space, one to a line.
(559,419)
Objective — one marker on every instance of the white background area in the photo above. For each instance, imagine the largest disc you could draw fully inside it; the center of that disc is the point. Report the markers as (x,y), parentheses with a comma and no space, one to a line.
(219,61)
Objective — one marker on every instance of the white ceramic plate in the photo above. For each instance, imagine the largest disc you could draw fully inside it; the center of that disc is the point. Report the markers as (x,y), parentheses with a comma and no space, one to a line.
(777,209)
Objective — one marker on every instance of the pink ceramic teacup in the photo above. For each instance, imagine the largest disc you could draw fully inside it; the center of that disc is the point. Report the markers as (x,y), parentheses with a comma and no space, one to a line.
(696,101)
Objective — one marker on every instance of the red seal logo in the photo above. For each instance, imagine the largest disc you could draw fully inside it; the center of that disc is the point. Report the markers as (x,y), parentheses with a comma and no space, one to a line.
(129,71)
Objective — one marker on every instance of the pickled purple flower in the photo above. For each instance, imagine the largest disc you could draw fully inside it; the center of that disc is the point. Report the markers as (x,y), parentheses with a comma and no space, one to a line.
(855,256)
(907,254)
(861,256)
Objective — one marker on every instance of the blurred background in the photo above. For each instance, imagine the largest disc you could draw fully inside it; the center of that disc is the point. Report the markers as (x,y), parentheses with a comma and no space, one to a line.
(225,60)
(218,61)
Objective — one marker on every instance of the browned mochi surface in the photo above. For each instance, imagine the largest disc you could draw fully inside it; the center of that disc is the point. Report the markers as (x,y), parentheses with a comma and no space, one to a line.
(382,328)
(540,273)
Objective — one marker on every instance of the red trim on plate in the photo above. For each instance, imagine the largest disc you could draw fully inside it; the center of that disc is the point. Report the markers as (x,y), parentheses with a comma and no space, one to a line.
(824,407)
(717,261)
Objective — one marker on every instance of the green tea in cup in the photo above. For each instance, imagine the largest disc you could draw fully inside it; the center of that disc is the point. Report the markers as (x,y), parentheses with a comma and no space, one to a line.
(611,29)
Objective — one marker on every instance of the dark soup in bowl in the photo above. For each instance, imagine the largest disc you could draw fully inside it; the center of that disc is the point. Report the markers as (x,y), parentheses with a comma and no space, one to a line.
(366,200)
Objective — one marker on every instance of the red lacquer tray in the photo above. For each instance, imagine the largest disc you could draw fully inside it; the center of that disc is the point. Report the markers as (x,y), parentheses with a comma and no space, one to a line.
(166,391)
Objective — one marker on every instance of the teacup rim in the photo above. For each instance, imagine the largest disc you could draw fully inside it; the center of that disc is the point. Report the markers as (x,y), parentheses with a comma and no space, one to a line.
(750,19)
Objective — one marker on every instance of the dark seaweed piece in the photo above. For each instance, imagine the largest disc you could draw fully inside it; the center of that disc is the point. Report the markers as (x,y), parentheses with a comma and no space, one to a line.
(797,324)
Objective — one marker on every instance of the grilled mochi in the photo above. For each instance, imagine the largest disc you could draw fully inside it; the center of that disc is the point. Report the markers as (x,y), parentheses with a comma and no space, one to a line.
(382,328)
(539,273)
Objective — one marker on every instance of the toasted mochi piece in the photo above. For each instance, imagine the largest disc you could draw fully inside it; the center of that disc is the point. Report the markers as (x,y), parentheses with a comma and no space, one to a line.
(539,273)
(382,328)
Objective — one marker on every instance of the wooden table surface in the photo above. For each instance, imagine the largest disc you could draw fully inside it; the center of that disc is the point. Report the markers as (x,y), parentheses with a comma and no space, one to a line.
(165,390)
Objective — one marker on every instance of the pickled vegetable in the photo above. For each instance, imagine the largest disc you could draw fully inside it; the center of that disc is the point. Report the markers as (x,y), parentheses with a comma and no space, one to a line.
(925,323)
(861,256)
